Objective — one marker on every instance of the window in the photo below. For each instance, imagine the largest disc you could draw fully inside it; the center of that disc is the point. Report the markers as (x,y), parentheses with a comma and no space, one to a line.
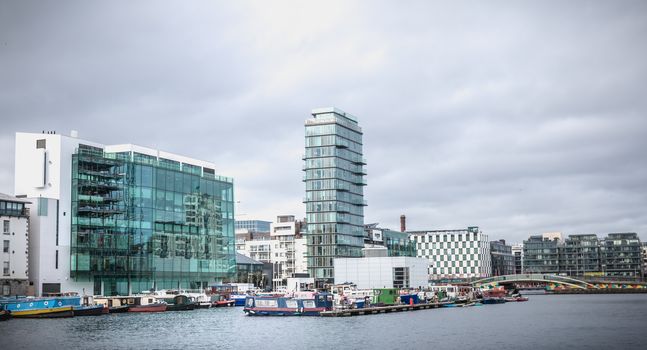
(5,268)
(56,266)
(266,303)
(42,206)
(50,288)
(5,227)
(400,277)
(40,143)
(5,246)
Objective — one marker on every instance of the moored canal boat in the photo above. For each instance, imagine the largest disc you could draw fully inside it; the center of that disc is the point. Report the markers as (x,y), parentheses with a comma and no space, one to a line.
(89,310)
(286,306)
(39,307)
(146,304)
(180,303)
(113,304)
(52,312)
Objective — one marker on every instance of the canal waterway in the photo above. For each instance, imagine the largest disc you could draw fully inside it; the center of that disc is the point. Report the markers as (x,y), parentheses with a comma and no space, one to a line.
(546,321)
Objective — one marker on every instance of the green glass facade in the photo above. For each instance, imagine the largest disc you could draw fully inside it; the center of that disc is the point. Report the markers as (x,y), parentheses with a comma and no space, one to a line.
(398,243)
(140,222)
(334,178)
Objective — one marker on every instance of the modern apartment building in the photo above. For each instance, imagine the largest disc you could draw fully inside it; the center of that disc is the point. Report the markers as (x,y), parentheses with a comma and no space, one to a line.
(14,218)
(334,179)
(123,218)
(502,258)
(541,254)
(286,238)
(621,255)
(580,255)
(454,254)
(617,256)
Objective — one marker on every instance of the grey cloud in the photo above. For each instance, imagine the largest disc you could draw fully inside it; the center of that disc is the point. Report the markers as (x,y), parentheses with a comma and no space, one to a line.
(519,117)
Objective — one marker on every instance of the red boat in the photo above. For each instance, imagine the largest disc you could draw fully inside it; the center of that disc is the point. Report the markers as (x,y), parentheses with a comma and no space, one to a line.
(222,303)
(146,304)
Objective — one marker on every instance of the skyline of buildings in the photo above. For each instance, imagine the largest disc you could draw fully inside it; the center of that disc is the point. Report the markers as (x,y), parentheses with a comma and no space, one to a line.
(118,219)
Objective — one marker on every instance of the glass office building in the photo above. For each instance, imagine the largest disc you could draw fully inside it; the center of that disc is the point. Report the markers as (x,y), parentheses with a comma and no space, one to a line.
(142,222)
(334,178)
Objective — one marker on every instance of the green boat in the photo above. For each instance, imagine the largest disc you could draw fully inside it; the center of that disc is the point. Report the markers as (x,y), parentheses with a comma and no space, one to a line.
(385,296)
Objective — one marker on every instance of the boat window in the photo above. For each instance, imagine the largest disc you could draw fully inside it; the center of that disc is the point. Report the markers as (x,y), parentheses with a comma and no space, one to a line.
(309,303)
(266,303)
(291,303)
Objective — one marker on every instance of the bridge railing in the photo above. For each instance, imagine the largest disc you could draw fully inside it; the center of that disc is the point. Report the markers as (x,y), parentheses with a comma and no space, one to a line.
(536,277)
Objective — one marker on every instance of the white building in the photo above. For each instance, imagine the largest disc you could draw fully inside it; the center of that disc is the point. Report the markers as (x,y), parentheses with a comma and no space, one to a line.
(382,272)
(454,253)
(288,250)
(258,249)
(14,218)
(43,169)
(517,251)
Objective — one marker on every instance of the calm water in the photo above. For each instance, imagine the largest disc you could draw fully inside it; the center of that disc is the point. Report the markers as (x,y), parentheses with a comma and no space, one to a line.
(564,321)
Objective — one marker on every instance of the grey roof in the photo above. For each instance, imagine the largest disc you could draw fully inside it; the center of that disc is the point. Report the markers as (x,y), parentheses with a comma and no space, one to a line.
(8,198)
(242,259)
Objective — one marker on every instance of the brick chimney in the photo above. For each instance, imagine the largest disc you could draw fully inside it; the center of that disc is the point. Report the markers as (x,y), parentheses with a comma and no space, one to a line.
(403,223)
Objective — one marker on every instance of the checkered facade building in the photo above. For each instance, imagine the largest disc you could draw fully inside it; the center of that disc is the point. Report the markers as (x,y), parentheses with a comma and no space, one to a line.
(454,253)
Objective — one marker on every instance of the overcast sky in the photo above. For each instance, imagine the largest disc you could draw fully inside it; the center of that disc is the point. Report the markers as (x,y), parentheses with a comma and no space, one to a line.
(518,117)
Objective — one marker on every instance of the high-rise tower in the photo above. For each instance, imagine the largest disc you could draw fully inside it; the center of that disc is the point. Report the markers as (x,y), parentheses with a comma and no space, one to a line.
(334,177)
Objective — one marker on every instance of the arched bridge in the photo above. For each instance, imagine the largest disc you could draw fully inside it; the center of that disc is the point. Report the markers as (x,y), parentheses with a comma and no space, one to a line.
(535,277)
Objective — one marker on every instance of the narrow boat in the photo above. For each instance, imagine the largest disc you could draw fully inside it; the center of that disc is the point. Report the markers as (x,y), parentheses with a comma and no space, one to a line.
(113,304)
(39,307)
(88,306)
(180,303)
(118,309)
(88,310)
(52,312)
(286,306)
(146,304)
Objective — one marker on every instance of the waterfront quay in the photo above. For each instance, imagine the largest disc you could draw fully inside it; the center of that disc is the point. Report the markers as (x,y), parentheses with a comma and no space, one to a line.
(381,309)
(545,321)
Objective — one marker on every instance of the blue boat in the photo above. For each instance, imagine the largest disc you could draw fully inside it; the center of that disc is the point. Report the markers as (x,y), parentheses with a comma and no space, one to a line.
(285,306)
(239,299)
(39,307)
